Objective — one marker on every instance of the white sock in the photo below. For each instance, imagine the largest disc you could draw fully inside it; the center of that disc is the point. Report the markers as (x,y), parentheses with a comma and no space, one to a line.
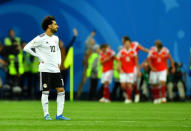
(44,101)
(60,102)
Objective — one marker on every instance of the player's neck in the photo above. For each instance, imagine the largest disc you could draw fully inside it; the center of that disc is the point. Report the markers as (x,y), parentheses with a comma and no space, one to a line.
(48,32)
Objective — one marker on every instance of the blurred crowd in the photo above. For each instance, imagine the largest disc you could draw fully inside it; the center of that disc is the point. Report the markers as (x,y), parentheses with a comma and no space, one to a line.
(151,80)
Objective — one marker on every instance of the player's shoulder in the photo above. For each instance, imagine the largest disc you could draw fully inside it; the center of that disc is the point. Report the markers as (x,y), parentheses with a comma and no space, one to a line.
(153,48)
(135,43)
(133,52)
(110,51)
(122,50)
(165,49)
(55,37)
(37,38)
(40,37)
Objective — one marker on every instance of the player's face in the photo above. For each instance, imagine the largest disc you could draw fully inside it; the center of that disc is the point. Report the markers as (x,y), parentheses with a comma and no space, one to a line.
(54,27)
(158,44)
(104,49)
(127,44)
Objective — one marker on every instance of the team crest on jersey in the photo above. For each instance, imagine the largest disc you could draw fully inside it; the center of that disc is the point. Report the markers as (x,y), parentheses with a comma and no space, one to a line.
(127,59)
(45,85)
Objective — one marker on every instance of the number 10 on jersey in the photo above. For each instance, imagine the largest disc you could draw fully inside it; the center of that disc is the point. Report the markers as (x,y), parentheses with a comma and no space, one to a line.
(52,48)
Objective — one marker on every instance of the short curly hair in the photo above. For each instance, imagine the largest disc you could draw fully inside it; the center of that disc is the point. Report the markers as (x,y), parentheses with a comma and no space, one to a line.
(47,21)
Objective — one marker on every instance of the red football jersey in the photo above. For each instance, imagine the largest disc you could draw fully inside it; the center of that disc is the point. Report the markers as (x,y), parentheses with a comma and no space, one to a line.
(159,59)
(135,46)
(127,59)
(108,65)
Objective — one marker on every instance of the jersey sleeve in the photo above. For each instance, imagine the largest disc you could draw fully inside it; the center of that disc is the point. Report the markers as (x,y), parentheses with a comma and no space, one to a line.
(112,53)
(167,51)
(32,44)
(149,54)
(134,54)
(35,42)
(139,47)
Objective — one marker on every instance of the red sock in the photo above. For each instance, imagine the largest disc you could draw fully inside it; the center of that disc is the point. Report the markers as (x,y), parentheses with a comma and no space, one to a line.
(136,89)
(154,92)
(106,93)
(129,92)
(158,92)
(163,91)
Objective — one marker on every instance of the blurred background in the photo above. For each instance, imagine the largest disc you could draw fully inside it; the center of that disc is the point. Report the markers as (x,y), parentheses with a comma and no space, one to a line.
(142,20)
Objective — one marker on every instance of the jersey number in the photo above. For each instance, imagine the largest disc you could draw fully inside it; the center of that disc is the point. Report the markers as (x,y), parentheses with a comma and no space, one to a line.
(52,48)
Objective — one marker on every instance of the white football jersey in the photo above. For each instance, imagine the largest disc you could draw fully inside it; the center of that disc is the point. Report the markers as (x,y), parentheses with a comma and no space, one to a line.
(48,52)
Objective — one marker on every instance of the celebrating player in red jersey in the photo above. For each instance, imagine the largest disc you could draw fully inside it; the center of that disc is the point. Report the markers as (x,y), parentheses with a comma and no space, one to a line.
(106,59)
(136,47)
(127,58)
(157,58)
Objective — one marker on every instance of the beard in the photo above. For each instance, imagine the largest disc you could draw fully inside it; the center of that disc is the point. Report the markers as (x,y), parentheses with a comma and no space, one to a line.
(53,30)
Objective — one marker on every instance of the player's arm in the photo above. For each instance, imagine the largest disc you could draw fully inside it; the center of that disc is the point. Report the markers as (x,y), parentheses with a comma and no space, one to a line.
(172,63)
(108,57)
(119,68)
(136,63)
(119,64)
(150,65)
(143,63)
(28,48)
(143,49)
(149,61)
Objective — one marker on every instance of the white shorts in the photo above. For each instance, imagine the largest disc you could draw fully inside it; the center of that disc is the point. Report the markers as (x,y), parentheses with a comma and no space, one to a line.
(157,77)
(107,76)
(126,77)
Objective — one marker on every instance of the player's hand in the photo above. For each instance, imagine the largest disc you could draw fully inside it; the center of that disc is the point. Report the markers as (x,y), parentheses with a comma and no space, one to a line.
(75,32)
(59,66)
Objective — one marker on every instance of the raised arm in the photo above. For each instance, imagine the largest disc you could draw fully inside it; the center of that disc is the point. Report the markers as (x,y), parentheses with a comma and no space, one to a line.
(70,44)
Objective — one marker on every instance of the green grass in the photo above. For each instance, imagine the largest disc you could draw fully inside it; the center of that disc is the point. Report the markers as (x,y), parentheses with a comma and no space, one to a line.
(94,116)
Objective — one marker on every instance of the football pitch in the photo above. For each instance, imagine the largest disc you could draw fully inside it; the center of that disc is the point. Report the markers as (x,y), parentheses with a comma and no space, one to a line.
(94,116)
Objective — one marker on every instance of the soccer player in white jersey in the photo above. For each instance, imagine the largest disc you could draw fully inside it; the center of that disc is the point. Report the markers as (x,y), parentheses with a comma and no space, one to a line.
(46,48)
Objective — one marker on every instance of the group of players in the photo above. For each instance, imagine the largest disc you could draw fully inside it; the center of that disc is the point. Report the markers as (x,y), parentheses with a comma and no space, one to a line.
(128,67)
(46,48)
